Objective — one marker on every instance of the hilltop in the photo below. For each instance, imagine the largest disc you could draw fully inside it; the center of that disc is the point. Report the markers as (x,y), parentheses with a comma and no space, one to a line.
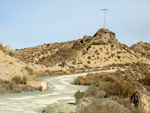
(142,48)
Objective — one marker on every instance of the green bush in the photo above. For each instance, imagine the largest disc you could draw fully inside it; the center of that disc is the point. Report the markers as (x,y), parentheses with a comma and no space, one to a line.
(79,94)
(47,71)
(19,80)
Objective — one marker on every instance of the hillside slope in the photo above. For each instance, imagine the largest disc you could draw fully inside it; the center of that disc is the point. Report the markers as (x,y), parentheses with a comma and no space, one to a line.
(104,49)
(11,67)
(142,48)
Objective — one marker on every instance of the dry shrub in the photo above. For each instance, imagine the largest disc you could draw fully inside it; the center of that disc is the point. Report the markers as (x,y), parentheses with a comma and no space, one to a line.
(95,92)
(145,81)
(98,107)
(79,94)
(97,57)
(127,103)
(19,80)
(88,62)
(120,88)
(42,73)
(89,57)
(80,81)
(84,52)
(1,46)
(96,51)
(30,70)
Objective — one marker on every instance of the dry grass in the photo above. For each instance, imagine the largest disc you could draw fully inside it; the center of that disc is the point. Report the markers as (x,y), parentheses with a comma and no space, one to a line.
(120,86)
(98,107)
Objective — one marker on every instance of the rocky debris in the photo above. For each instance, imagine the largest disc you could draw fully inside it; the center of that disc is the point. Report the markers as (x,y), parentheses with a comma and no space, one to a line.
(60,108)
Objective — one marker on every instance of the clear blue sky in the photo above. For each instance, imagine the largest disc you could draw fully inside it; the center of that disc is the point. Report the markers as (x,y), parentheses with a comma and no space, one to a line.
(28,23)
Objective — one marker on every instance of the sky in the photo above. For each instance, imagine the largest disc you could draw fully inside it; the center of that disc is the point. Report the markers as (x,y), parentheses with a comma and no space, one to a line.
(29,23)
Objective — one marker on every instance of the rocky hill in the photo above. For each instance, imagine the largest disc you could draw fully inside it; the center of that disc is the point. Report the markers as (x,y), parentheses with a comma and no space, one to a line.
(104,49)
(142,48)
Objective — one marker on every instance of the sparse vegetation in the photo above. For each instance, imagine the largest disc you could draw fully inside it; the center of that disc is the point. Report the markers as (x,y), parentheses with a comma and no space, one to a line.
(88,62)
(98,107)
(79,94)
(19,80)
(13,86)
(29,70)
(89,57)
(11,54)
(120,86)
